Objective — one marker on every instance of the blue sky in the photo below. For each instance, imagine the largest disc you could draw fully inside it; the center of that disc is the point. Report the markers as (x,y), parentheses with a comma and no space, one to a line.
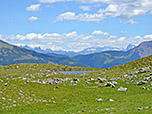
(75,24)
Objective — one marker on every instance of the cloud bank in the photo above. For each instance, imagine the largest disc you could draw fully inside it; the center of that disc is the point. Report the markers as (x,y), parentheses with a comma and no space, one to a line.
(73,41)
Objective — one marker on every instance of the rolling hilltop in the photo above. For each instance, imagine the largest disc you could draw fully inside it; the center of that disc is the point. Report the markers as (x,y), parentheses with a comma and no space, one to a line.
(10,54)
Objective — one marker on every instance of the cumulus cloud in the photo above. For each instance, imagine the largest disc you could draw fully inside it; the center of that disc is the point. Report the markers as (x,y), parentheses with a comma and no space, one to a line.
(33,8)
(33,19)
(85,8)
(130,21)
(73,41)
(122,39)
(124,9)
(80,17)
(88,1)
(99,32)
(124,32)
(1,35)
(113,36)
(148,36)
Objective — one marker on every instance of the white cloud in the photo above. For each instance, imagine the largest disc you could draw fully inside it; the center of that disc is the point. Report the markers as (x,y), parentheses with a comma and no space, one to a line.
(122,39)
(124,9)
(19,44)
(78,46)
(138,37)
(33,8)
(33,19)
(80,17)
(85,8)
(113,36)
(87,37)
(73,41)
(88,1)
(52,1)
(99,32)
(130,21)
(1,35)
(124,32)
(72,34)
(148,36)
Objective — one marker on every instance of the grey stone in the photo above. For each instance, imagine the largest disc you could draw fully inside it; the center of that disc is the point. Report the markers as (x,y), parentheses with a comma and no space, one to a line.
(141,82)
(114,82)
(102,80)
(145,69)
(127,83)
(5,84)
(17,67)
(83,110)
(74,82)
(143,87)
(99,100)
(122,89)
(76,79)
(111,100)
(109,84)
(90,79)
(148,78)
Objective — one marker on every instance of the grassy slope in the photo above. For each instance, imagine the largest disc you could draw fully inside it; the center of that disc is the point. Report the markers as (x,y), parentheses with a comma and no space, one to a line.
(39,98)
(106,59)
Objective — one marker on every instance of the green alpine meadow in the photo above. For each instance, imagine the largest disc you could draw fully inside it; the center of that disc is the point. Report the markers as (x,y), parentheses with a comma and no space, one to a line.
(75,56)
(39,89)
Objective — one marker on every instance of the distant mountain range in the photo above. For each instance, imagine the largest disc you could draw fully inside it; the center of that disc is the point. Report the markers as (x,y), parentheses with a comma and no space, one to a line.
(98,49)
(83,52)
(46,51)
(130,46)
(112,58)
(10,54)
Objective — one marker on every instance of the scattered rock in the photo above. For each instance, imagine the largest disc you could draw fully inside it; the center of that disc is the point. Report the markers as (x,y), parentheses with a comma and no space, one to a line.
(111,100)
(54,102)
(141,82)
(17,67)
(149,78)
(99,100)
(139,108)
(114,82)
(122,89)
(96,109)
(76,79)
(83,110)
(102,80)
(145,69)
(5,84)
(127,83)
(1,80)
(109,84)
(143,87)
(3,98)
(90,79)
